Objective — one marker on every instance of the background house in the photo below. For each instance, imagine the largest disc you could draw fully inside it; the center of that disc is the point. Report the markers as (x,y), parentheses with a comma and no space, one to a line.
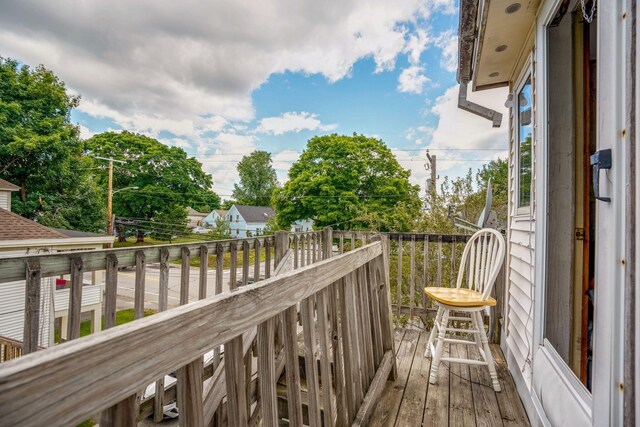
(19,237)
(247,221)
(302,225)
(5,193)
(215,215)
(194,217)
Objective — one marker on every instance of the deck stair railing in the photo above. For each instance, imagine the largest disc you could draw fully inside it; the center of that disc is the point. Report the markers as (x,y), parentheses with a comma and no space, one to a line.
(343,303)
(418,260)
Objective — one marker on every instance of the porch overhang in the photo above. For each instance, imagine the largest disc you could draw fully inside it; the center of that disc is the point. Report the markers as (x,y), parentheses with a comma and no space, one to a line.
(492,36)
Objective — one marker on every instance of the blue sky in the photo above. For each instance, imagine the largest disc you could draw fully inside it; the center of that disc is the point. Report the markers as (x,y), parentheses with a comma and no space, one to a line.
(221,80)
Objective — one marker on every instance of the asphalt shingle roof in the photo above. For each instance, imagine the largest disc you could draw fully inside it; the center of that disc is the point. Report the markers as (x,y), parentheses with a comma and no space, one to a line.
(15,227)
(255,213)
(6,185)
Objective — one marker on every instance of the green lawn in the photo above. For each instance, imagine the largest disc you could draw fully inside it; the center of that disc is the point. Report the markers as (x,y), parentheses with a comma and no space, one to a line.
(122,317)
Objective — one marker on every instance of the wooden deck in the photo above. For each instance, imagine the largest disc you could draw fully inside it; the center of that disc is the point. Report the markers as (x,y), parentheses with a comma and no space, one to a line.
(463,395)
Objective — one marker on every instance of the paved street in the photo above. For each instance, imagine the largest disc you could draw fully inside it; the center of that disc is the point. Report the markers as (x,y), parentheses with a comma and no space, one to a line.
(126,285)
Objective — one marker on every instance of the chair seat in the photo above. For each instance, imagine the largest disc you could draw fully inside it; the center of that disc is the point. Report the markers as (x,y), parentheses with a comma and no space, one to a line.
(458,297)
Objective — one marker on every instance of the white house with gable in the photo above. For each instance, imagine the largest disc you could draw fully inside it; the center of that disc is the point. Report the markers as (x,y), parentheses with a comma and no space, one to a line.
(215,215)
(19,237)
(247,221)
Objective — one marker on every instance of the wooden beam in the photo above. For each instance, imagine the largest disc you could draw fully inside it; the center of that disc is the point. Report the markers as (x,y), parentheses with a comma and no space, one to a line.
(375,391)
(31,307)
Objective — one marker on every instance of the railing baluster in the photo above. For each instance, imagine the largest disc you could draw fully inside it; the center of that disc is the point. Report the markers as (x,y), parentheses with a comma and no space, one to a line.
(189,394)
(245,262)
(339,377)
(235,382)
(75,298)
(234,365)
(138,303)
(412,283)
(425,274)
(294,400)
(110,291)
(384,285)
(399,282)
(267,258)
(303,256)
(347,350)
(31,307)
(185,271)
(341,248)
(204,271)
(322,298)
(365,317)
(233,247)
(309,244)
(267,373)
(163,297)
(256,260)
(313,389)
(374,307)
(296,254)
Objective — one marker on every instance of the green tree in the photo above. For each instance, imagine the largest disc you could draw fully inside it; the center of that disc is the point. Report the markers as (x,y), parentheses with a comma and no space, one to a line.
(258,180)
(41,153)
(350,181)
(222,229)
(168,180)
(458,197)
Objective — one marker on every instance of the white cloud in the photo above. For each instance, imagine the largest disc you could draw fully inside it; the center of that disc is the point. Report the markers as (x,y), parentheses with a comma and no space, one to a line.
(161,65)
(292,122)
(420,135)
(447,42)
(458,129)
(412,79)
(282,162)
(85,132)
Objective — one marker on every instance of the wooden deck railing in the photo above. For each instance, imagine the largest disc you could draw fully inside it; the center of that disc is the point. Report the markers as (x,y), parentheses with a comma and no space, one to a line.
(344,305)
(418,260)
(9,349)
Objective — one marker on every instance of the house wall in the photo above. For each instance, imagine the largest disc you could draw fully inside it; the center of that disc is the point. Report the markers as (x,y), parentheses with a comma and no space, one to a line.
(5,200)
(12,311)
(302,225)
(237,223)
(521,245)
(210,220)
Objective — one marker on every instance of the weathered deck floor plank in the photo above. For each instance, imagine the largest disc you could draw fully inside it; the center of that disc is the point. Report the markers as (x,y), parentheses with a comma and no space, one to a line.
(463,395)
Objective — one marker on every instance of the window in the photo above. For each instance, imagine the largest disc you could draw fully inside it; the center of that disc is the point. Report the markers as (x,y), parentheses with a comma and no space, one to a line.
(524,138)
(237,218)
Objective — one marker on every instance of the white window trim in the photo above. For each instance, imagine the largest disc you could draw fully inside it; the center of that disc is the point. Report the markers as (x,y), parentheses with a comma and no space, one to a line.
(523,212)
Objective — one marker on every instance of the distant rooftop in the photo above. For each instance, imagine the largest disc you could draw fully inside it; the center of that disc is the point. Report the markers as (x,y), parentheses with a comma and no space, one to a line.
(6,185)
(255,213)
(15,227)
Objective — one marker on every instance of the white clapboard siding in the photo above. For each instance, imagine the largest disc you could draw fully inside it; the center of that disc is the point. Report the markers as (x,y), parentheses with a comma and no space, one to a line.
(5,200)
(521,266)
(91,294)
(12,296)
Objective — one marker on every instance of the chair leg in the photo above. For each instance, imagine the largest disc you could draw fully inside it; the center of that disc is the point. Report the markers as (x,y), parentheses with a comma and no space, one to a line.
(435,362)
(487,353)
(432,335)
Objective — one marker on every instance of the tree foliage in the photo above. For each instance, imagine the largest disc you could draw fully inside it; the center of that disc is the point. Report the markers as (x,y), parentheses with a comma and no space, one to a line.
(258,180)
(459,197)
(40,150)
(350,182)
(168,179)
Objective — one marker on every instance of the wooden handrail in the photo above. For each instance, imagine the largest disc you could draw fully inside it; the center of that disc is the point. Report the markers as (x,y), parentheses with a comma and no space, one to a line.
(58,263)
(67,383)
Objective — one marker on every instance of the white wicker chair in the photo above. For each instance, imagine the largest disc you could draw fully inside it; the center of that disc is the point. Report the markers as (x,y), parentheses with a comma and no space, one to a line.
(481,261)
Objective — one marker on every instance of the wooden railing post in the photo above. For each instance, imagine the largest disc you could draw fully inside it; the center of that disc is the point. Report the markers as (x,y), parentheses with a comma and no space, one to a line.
(327,242)
(75,298)
(31,307)
(281,245)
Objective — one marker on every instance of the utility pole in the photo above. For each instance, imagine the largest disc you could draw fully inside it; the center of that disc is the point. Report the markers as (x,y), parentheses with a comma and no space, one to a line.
(110,192)
(431,181)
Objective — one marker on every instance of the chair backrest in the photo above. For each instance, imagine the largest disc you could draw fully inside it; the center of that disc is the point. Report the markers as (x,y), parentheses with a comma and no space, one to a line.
(481,261)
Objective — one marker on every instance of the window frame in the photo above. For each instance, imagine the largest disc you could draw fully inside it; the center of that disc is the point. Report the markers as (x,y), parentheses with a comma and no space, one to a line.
(523,212)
